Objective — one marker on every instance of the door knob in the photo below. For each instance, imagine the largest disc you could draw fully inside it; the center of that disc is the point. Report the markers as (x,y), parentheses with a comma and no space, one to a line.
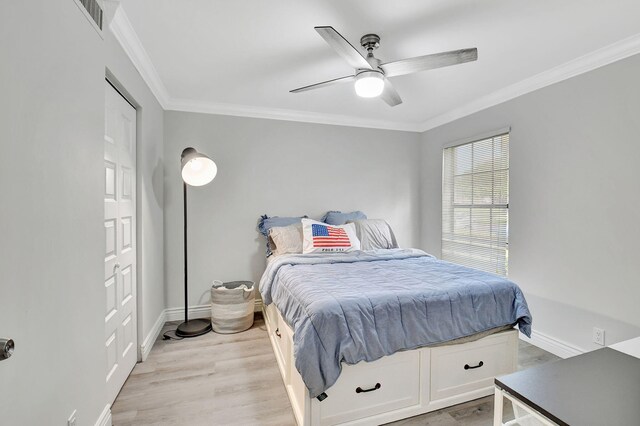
(6,348)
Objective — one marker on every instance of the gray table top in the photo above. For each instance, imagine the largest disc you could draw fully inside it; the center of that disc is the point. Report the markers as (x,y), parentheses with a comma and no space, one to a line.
(597,388)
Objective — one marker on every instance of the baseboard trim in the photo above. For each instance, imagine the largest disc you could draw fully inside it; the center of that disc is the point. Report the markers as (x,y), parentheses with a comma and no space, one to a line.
(177,314)
(198,311)
(170,314)
(544,341)
(105,417)
(551,344)
(150,339)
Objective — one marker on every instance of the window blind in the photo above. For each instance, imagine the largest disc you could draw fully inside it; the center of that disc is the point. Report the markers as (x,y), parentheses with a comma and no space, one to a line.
(475,204)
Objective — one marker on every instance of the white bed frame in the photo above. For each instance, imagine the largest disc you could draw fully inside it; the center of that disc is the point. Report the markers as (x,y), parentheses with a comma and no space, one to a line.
(395,387)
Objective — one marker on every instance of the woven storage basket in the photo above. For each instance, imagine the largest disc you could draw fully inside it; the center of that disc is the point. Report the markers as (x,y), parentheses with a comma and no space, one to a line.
(232,306)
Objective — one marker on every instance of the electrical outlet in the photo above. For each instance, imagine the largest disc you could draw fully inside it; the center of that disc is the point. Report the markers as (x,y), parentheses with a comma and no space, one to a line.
(72,419)
(598,336)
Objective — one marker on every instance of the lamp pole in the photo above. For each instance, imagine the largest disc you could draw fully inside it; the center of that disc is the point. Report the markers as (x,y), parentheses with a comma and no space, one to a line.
(186,274)
(197,170)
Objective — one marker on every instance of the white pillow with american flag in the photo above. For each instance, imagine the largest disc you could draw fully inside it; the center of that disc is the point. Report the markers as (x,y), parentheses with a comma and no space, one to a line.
(318,237)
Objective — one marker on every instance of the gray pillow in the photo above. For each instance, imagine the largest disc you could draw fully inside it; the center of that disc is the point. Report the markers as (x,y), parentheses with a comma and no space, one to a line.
(375,234)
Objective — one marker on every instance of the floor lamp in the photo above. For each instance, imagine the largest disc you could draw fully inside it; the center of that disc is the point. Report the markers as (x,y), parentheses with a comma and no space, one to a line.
(197,170)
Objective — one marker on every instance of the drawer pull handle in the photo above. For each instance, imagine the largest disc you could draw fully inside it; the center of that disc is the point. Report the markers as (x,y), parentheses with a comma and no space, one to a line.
(468,367)
(278,333)
(376,387)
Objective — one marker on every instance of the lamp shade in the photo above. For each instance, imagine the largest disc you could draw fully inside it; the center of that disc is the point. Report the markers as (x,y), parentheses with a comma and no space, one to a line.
(369,84)
(197,168)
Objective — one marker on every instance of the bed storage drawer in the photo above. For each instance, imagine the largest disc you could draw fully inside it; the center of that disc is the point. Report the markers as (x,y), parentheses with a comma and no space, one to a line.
(284,339)
(271,316)
(457,369)
(387,384)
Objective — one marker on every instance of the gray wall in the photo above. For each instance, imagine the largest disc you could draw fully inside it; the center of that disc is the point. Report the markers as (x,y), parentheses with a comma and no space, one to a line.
(278,168)
(52,299)
(574,200)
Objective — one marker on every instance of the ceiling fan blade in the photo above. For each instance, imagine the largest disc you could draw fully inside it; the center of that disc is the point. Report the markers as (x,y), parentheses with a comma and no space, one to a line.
(389,94)
(323,84)
(343,47)
(429,62)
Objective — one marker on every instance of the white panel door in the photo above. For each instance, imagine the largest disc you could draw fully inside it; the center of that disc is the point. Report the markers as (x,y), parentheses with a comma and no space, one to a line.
(120,236)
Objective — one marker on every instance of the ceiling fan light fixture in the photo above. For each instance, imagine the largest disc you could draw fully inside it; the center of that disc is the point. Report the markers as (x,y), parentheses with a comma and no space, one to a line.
(369,84)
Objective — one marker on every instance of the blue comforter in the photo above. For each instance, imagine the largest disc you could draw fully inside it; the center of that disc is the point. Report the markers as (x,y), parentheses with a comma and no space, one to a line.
(365,305)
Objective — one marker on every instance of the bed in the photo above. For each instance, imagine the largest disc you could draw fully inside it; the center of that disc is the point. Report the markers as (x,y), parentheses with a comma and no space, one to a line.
(369,337)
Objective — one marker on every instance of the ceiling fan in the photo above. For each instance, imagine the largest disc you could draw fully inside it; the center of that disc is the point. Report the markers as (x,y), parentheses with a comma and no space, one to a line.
(371,76)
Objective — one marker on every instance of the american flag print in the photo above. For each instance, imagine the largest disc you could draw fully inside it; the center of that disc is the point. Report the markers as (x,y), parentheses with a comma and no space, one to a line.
(325,236)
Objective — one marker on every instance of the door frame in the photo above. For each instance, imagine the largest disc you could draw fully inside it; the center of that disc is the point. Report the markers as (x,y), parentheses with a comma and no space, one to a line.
(119,87)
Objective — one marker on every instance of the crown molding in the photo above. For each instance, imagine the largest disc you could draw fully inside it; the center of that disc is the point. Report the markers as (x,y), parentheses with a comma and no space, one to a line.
(125,34)
(589,62)
(206,107)
(128,39)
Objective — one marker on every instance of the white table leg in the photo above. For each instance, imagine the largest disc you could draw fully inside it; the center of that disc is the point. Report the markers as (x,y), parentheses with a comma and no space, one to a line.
(497,407)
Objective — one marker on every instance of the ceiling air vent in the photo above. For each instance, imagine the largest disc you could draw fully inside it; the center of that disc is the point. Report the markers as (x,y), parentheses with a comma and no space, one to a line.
(93,11)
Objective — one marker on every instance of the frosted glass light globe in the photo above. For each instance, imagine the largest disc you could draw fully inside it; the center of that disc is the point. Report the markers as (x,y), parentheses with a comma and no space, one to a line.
(369,84)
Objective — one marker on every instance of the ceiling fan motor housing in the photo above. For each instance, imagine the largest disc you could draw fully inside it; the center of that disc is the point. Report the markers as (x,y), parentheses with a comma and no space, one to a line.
(370,41)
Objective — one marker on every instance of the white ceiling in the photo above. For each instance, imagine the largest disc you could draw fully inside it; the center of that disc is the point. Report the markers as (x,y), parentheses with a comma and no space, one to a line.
(245,55)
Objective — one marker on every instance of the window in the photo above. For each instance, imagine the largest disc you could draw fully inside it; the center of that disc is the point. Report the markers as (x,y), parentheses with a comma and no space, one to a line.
(475,204)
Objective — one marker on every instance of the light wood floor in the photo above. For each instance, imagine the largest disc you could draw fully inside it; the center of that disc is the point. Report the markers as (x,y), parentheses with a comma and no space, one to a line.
(233,379)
